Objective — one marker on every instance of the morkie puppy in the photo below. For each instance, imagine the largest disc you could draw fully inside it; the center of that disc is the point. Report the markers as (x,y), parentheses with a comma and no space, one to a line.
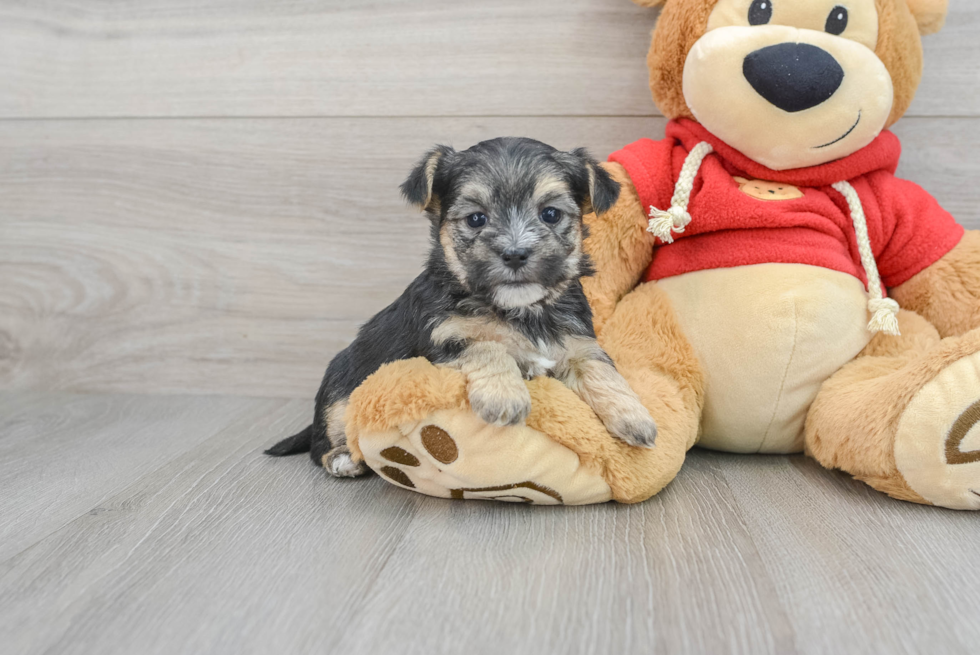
(500,298)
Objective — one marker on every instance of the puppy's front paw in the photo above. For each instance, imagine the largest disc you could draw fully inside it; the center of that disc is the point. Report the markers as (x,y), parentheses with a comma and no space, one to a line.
(500,400)
(636,427)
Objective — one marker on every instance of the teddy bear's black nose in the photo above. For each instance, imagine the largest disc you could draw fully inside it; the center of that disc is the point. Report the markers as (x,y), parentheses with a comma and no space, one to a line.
(793,76)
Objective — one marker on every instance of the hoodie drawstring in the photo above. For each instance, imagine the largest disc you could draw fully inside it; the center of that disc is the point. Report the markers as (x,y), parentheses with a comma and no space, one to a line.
(675,219)
(884,310)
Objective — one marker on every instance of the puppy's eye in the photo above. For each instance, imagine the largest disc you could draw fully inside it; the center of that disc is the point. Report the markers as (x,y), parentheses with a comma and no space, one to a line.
(476,220)
(837,21)
(550,215)
(760,12)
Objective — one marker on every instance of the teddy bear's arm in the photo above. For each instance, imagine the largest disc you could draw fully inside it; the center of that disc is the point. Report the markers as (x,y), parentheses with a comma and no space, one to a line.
(947,293)
(620,247)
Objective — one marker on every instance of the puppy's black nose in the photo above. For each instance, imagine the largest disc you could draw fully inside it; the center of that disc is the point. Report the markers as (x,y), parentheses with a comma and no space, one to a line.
(515,258)
(793,76)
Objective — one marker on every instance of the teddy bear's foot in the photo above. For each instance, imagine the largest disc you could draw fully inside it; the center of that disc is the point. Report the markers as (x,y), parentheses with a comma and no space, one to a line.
(455,454)
(412,423)
(937,442)
(905,417)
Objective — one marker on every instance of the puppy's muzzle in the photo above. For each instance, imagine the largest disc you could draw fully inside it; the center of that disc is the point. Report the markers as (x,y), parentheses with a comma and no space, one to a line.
(515,258)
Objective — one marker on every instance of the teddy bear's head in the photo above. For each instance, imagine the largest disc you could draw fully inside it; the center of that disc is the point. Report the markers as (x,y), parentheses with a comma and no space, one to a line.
(790,83)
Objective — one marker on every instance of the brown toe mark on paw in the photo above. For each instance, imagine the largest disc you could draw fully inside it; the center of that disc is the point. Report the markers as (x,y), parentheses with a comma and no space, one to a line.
(397,475)
(400,456)
(459,494)
(961,428)
(439,444)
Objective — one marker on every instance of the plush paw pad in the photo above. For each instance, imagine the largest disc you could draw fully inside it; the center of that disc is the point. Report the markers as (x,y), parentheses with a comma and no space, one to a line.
(455,454)
(937,445)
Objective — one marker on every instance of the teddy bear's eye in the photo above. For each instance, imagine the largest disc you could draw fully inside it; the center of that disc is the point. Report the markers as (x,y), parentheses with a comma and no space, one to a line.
(760,12)
(837,21)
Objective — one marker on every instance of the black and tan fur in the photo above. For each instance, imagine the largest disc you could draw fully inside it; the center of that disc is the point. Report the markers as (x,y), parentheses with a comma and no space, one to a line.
(500,298)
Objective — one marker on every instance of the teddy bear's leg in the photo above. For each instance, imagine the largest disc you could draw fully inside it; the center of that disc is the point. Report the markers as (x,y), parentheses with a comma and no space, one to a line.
(947,293)
(646,342)
(904,417)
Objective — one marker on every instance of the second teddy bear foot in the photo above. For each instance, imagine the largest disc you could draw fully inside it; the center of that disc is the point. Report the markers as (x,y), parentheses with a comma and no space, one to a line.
(937,443)
(905,417)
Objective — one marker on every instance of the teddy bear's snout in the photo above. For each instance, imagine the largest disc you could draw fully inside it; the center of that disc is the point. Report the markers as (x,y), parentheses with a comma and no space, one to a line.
(793,76)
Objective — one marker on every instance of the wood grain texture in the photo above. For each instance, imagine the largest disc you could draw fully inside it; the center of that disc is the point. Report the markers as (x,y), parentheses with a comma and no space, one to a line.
(677,574)
(856,571)
(236,256)
(61,454)
(382,58)
(220,549)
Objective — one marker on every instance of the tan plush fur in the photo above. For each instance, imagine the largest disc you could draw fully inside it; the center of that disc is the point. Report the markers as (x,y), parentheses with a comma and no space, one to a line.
(683,22)
(900,48)
(620,247)
(948,292)
(647,344)
(930,15)
(852,424)
(650,350)
(409,391)
(401,392)
(645,340)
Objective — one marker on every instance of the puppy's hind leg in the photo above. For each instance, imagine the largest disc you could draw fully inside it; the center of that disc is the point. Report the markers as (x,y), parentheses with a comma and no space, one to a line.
(331,450)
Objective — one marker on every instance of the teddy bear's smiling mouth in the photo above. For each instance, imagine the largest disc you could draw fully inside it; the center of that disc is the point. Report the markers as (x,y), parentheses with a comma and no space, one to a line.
(846,134)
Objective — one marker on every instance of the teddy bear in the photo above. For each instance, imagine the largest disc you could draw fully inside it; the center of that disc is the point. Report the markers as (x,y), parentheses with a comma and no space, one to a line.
(765,282)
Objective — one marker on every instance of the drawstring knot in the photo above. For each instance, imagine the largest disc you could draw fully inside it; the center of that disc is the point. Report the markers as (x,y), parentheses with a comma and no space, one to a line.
(884,316)
(676,218)
(662,223)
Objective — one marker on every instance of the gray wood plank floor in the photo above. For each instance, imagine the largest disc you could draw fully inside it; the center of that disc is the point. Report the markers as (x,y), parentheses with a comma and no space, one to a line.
(204,545)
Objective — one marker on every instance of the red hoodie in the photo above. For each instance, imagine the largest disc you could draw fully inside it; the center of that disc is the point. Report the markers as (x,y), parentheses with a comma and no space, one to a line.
(909,230)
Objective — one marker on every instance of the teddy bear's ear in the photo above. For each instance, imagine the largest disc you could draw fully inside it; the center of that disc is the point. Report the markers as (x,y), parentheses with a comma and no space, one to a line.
(649,3)
(417,189)
(930,15)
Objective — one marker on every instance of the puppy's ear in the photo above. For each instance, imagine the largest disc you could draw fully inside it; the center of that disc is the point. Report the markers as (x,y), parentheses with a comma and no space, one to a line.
(602,190)
(417,189)
(649,3)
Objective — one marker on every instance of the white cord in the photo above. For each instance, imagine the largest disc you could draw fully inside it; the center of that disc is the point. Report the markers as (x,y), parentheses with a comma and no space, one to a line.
(676,219)
(884,310)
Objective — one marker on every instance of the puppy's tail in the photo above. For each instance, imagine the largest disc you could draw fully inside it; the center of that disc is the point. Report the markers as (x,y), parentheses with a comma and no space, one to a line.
(298,443)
